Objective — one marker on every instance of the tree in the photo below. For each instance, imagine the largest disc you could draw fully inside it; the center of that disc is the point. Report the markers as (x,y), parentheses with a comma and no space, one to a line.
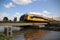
(15,19)
(23,18)
(5,19)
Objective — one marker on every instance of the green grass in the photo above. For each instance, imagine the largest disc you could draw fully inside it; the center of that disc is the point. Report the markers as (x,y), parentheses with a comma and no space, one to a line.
(4,37)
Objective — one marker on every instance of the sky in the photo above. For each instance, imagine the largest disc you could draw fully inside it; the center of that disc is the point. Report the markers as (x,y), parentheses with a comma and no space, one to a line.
(16,8)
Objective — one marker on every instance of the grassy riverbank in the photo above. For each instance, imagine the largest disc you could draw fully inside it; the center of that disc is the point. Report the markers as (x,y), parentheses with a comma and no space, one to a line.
(4,37)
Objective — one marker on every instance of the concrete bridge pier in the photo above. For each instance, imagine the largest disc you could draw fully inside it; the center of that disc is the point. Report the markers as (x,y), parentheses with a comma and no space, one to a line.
(8,31)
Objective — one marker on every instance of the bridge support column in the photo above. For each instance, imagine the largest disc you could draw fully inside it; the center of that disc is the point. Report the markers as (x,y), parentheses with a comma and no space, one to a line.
(8,31)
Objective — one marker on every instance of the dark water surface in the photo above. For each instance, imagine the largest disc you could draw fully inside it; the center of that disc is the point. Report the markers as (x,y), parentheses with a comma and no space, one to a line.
(52,35)
(35,34)
(38,35)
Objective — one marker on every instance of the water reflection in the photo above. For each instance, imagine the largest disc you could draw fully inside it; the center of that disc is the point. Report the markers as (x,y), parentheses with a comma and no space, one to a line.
(1,28)
(53,35)
(37,34)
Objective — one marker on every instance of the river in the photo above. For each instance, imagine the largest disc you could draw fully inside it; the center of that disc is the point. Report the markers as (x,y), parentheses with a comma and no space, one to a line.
(35,34)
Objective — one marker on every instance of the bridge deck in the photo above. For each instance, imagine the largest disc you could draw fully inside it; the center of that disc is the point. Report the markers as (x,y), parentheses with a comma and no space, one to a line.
(19,24)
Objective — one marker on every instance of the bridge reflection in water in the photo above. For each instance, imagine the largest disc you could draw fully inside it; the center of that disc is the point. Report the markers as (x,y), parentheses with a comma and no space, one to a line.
(37,34)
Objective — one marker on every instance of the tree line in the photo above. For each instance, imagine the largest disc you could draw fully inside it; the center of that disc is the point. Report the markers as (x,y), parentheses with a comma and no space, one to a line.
(6,19)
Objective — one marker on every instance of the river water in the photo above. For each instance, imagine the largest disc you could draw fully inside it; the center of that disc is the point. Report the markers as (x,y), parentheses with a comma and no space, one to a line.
(35,34)
(38,35)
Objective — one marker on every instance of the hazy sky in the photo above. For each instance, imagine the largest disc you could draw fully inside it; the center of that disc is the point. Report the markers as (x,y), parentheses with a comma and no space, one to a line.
(12,8)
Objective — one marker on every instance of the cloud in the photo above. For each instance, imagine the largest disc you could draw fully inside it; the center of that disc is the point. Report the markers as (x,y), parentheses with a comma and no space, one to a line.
(43,13)
(2,15)
(23,2)
(9,5)
(43,0)
(18,15)
(38,13)
(56,18)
